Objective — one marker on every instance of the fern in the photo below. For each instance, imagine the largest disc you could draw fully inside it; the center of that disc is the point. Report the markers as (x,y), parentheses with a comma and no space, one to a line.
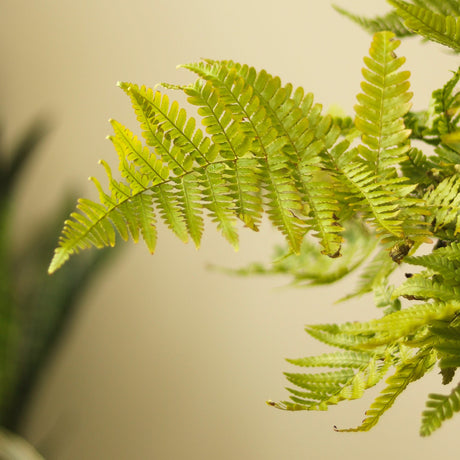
(310,267)
(388,22)
(437,27)
(439,409)
(406,373)
(353,188)
(329,388)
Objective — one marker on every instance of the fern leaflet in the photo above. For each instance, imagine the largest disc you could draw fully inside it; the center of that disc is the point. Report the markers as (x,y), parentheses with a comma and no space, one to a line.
(437,27)
(439,409)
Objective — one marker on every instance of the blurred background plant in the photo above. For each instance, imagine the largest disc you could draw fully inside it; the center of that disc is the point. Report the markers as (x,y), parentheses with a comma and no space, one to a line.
(35,309)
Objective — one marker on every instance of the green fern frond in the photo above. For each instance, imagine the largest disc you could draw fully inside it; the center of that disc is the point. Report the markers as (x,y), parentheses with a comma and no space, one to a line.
(446,107)
(421,288)
(342,359)
(310,267)
(399,324)
(333,335)
(439,409)
(406,326)
(388,22)
(444,203)
(374,198)
(263,150)
(446,7)
(406,373)
(444,261)
(233,146)
(417,167)
(370,172)
(298,122)
(436,27)
(382,105)
(325,389)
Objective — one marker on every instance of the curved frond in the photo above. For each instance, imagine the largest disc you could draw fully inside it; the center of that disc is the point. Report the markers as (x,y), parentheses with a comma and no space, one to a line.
(437,27)
(330,388)
(296,120)
(406,372)
(310,267)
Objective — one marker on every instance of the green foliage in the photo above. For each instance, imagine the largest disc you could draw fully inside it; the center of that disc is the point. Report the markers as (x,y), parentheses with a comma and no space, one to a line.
(390,21)
(346,193)
(439,408)
(34,308)
(310,267)
(441,28)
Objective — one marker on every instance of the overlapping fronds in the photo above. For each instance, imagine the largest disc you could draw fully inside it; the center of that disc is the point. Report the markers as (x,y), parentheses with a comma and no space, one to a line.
(430,327)
(375,187)
(406,373)
(265,147)
(356,185)
(262,149)
(262,103)
(441,28)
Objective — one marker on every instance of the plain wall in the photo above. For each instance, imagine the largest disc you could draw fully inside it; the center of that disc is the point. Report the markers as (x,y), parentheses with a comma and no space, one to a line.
(167,360)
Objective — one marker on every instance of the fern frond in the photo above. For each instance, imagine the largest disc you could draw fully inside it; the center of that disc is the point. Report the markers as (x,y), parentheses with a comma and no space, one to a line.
(419,287)
(443,261)
(382,105)
(390,21)
(436,27)
(233,145)
(406,373)
(342,359)
(446,7)
(325,389)
(310,267)
(446,107)
(439,409)
(417,167)
(297,121)
(444,203)
(333,335)
(264,147)
(399,324)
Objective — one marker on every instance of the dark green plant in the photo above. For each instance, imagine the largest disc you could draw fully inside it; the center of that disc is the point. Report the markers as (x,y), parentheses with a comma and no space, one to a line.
(349,182)
(34,308)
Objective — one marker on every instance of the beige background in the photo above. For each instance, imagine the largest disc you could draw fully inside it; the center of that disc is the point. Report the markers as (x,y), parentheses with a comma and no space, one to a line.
(167,360)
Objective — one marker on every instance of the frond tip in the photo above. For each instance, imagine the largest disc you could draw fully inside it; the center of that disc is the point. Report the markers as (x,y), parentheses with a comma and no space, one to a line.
(439,409)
